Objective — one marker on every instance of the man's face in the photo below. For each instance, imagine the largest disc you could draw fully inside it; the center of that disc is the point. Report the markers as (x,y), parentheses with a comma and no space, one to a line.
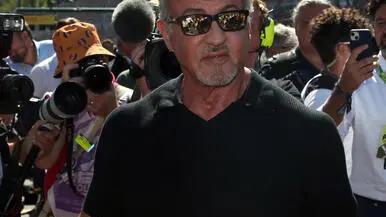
(302,24)
(213,58)
(255,36)
(19,48)
(380,28)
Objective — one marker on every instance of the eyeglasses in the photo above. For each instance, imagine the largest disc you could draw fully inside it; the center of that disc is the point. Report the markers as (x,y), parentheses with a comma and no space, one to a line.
(197,24)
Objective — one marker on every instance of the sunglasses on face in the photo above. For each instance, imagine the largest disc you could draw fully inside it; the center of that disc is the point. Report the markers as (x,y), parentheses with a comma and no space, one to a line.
(197,24)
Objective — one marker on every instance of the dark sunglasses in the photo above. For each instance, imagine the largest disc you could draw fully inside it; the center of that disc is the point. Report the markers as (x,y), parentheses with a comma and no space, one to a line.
(197,24)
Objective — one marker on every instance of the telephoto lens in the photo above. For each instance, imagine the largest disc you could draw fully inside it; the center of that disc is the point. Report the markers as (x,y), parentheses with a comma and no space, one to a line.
(96,74)
(97,78)
(68,100)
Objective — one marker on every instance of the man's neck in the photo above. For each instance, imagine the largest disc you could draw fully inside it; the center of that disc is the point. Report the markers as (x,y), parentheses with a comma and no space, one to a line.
(312,56)
(208,102)
(31,57)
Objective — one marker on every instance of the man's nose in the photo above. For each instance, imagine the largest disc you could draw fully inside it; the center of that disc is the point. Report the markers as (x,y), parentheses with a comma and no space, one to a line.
(216,35)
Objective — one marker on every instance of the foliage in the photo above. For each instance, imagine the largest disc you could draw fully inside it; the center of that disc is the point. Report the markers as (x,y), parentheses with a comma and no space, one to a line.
(10,5)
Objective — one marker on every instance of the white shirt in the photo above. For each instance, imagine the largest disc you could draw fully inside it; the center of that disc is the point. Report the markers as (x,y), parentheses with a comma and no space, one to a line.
(316,99)
(42,76)
(367,118)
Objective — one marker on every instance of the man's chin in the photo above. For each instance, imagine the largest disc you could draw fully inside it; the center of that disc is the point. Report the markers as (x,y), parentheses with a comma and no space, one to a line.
(218,79)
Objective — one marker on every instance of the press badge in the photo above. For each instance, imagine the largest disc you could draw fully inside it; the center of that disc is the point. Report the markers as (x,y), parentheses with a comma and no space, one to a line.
(381,153)
(84,143)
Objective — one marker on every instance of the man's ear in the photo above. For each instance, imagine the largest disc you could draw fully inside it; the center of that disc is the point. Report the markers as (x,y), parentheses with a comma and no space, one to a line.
(163,27)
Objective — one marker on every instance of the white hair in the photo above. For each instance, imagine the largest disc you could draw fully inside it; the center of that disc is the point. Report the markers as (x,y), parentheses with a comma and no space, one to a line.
(284,36)
(305,3)
(164,13)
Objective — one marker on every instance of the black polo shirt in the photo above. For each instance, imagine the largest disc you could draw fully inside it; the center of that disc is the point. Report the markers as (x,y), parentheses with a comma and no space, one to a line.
(292,66)
(264,155)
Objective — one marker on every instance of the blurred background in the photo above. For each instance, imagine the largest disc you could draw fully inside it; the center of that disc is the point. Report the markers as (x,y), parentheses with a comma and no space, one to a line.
(43,14)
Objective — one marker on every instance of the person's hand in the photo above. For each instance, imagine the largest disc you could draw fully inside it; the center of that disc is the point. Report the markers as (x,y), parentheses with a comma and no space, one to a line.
(102,104)
(6,119)
(138,55)
(43,139)
(355,72)
(66,71)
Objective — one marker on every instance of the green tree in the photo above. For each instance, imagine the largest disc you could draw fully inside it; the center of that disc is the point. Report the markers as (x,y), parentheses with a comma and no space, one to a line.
(10,5)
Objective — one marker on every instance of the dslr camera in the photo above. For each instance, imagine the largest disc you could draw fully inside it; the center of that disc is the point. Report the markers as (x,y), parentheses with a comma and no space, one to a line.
(96,74)
(161,65)
(15,89)
(69,98)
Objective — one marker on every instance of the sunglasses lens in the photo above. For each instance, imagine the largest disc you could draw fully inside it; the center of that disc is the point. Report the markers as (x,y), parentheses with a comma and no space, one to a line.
(233,20)
(195,24)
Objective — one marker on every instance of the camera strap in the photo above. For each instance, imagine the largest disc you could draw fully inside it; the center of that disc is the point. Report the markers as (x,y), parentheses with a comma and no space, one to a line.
(86,142)
(69,140)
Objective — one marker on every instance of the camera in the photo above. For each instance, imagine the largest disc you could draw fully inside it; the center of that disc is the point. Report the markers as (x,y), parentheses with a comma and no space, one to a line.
(96,74)
(161,65)
(68,100)
(15,89)
(354,36)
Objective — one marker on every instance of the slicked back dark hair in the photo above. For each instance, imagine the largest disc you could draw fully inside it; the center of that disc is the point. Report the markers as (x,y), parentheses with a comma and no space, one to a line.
(333,26)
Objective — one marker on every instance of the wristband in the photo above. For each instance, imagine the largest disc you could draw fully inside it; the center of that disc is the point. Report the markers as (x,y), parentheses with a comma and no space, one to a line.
(136,72)
(347,106)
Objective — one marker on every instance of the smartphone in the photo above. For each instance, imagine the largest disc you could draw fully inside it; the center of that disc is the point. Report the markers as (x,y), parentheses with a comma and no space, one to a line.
(359,37)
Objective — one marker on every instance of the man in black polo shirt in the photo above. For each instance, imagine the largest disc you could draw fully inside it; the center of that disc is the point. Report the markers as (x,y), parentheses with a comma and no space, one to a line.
(303,63)
(219,141)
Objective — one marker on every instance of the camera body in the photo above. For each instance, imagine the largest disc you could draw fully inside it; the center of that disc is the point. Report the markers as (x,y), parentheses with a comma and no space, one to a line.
(96,74)
(15,89)
(161,65)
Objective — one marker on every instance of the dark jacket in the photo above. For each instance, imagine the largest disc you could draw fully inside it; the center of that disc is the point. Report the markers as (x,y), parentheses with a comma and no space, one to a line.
(291,65)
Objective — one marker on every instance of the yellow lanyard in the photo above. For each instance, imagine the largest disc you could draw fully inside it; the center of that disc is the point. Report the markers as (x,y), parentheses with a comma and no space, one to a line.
(381,73)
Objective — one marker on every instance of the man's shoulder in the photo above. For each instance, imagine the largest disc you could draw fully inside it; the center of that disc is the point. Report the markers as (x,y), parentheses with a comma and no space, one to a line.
(286,107)
(48,63)
(46,48)
(278,65)
(283,58)
(45,43)
(143,110)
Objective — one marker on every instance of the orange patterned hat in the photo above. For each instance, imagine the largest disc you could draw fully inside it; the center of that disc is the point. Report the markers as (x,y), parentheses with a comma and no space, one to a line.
(74,42)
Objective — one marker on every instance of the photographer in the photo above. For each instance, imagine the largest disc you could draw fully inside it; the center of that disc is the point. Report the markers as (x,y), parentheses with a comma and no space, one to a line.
(25,52)
(133,22)
(42,73)
(152,62)
(79,53)
(303,63)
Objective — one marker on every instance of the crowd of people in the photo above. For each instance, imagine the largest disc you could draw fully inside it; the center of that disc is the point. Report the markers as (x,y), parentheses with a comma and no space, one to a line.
(249,128)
